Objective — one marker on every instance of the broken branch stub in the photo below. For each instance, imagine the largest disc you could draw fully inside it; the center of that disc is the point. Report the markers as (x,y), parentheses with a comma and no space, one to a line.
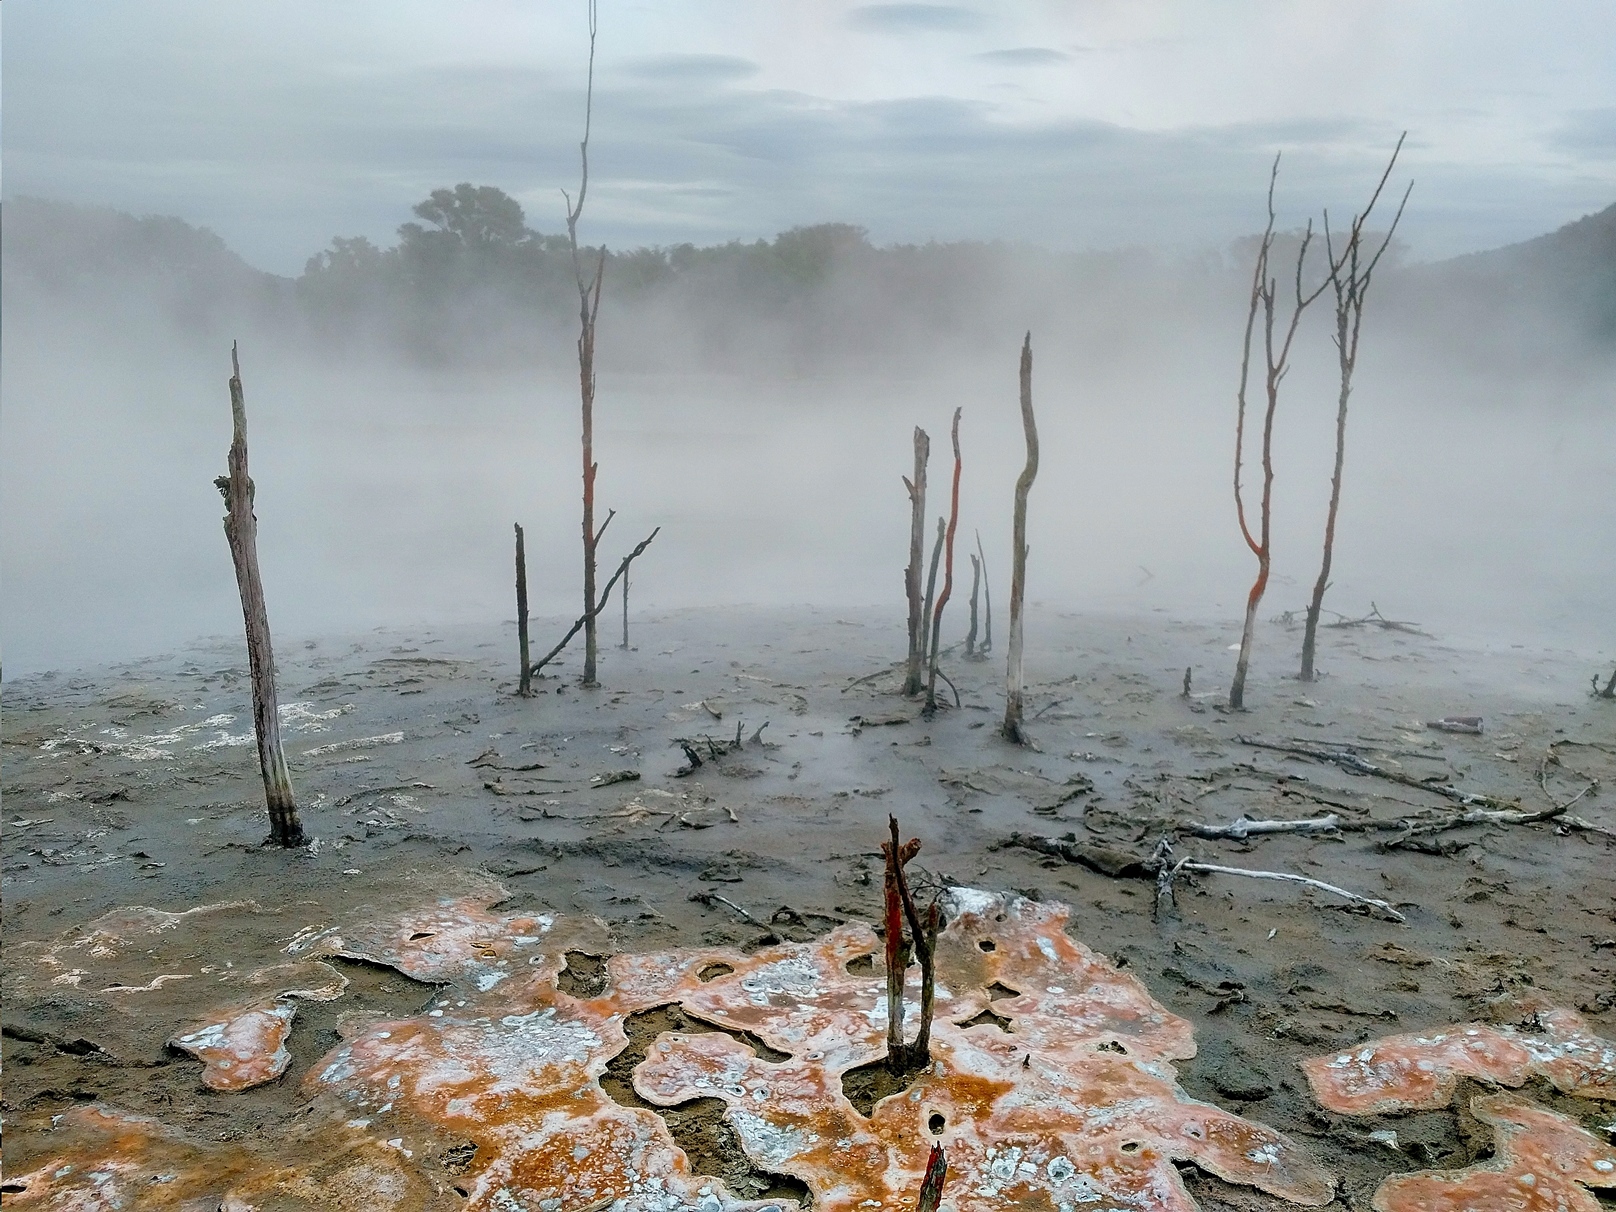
(241,531)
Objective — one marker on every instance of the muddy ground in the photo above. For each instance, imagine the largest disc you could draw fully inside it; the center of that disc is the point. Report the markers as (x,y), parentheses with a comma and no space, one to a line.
(416,764)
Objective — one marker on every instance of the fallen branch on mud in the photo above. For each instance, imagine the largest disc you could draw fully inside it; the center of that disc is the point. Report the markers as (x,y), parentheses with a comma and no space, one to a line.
(605,596)
(1244,827)
(1160,866)
(1355,764)
(1375,619)
(712,898)
(1286,877)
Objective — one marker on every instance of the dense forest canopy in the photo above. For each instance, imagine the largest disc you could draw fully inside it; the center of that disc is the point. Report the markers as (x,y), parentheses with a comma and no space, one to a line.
(469,280)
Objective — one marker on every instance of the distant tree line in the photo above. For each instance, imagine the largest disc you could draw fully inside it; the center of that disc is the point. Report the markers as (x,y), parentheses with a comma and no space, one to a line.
(468,281)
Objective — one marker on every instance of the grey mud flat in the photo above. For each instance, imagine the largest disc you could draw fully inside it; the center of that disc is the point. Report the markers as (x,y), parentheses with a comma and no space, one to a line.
(416,765)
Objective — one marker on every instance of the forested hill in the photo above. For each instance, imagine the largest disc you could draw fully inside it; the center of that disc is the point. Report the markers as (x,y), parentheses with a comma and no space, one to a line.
(469,280)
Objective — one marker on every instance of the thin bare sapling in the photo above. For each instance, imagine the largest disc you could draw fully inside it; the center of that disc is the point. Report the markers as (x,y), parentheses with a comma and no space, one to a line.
(917,555)
(921,946)
(588,310)
(1012,727)
(1276,358)
(948,573)
(605,597)
(525,684)
(1350,273)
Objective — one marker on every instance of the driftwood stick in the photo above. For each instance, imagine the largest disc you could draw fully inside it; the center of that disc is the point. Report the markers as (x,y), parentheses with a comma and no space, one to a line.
(1018,566)
(1350,761)
(1287,877)
(917,555)
(241,531)
(605,596)
(1245,827)
(712,898)
(525,685)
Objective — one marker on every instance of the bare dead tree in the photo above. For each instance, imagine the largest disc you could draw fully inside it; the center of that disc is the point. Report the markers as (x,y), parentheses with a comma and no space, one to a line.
(900,908)
(1018,558)
(241,531)
(525,685)
(917,555)
(931,585)
(976,593)
(1276,357)
(987,601)
(588,310)
(1350,274)
(948,573)
(605,596)
(624,644)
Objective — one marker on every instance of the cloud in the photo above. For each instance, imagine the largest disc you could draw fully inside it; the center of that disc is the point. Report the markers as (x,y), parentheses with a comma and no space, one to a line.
(1590,133)
(914,18)
(1024,56)
(693,69)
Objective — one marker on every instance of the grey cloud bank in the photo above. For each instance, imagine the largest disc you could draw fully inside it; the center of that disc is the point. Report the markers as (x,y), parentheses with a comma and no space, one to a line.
(281,130)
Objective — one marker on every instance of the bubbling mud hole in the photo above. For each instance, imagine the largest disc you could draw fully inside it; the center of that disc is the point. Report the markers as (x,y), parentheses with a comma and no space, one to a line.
(510,1093)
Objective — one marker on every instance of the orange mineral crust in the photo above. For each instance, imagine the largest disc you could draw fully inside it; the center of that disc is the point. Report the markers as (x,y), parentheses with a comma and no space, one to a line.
(1064,1097)
(1544,1162)
(1419,1072)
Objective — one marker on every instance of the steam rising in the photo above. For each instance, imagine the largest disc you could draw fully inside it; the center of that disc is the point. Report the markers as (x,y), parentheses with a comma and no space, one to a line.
(756,402)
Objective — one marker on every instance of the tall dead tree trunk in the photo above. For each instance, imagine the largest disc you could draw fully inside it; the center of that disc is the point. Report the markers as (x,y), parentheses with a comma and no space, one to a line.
(525,685)
(1264,299)
(1018,558)
(1350,273)
(588,310)
(241,530)
(917,556)
(948,574)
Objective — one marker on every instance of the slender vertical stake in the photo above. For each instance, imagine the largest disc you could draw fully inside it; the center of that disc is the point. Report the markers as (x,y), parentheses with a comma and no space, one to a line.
(892,923)
(948,575)
(241,530)
(625,612)
(525,686)
(976,593)
(987,600)
(1018,557)
(917,556)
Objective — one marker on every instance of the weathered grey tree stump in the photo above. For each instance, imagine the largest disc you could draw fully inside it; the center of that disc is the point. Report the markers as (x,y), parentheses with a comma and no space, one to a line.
(241,529)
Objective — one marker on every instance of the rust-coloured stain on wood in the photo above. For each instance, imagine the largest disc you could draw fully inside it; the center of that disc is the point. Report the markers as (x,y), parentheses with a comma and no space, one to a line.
(1065,1099)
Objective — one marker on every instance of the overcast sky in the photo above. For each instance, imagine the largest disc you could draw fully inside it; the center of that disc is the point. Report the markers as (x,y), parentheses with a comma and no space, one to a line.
(1083,123)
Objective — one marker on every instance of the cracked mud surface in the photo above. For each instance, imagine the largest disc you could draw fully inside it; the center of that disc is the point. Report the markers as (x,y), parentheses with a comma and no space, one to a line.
(414,764)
